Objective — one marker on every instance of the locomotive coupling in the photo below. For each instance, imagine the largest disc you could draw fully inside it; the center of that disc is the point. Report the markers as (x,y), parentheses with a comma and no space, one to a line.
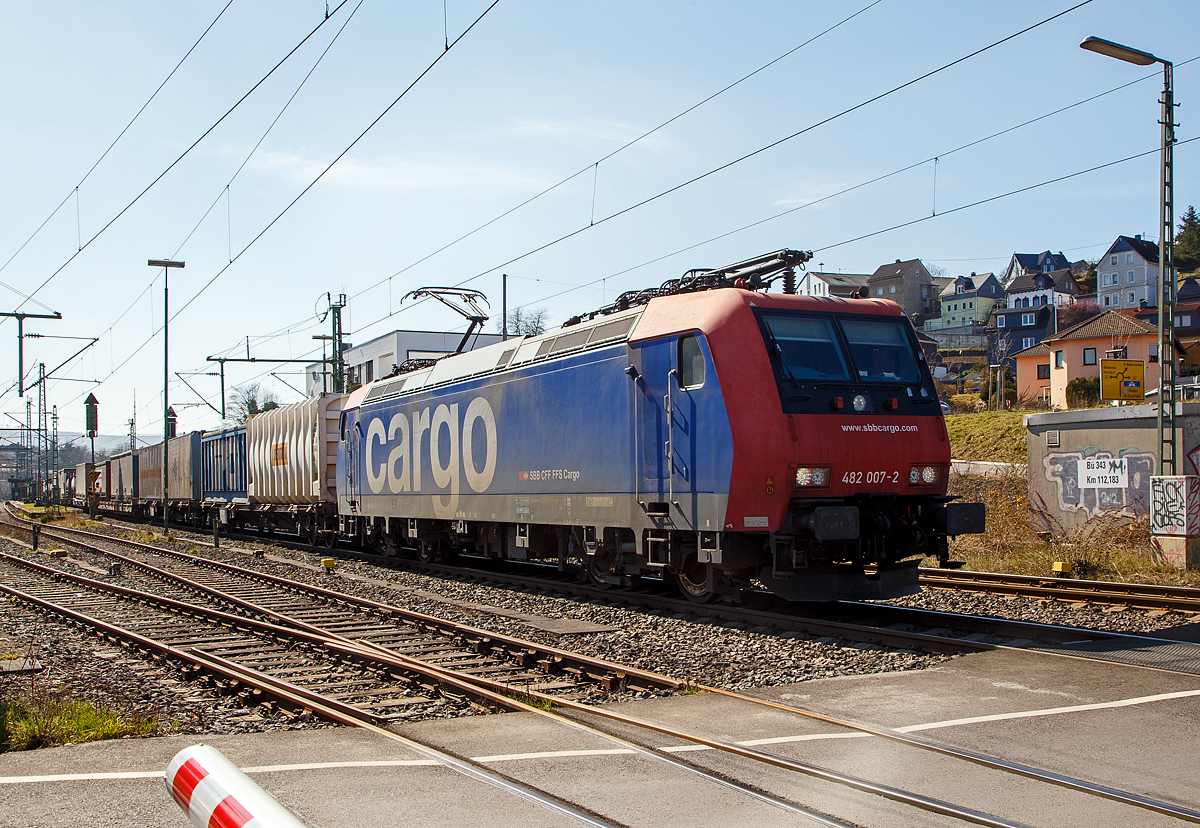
(965,519)
(832,522)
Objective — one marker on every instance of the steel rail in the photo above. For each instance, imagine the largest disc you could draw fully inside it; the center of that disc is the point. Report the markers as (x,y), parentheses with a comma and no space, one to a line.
(971,756)
(497,692)
(329,708)
(1140,596)
(341,647)
(563,660)
(384,655)
(1177,811)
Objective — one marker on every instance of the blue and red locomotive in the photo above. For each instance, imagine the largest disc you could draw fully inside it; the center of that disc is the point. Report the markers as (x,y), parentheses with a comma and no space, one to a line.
(706,431)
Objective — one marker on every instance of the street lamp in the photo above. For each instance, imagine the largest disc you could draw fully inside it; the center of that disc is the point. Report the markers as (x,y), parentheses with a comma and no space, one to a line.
(166,265)
(1166,257)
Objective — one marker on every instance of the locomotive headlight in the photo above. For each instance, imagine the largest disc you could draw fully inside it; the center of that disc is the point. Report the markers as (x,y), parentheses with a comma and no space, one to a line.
(923,475)
(812,476)
(859,402)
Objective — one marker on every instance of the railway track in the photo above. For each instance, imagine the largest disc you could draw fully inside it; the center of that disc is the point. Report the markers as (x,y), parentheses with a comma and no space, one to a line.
(872,624)
(236,646)
(1135,596)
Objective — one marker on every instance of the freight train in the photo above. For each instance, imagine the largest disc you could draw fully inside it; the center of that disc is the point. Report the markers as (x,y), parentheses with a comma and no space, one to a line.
(708,432)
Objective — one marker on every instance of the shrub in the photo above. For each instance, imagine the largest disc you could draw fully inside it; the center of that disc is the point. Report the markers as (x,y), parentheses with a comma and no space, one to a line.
(966,404)
(1083,392)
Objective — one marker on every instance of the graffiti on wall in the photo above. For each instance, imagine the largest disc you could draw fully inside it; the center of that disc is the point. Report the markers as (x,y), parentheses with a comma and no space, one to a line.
(1175,505)
(1132,498)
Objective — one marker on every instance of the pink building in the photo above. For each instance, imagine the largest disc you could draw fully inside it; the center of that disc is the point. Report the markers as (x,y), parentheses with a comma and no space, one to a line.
(1044,370)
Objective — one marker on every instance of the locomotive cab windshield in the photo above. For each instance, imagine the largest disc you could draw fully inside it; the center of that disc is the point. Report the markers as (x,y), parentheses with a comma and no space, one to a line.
(817,358)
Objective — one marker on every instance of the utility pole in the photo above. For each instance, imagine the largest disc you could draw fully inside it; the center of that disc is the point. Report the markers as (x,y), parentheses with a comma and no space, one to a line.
(504,307)
(339,366)
(324,362)
(54,456)
(42,465)
(166,265)
(21,317)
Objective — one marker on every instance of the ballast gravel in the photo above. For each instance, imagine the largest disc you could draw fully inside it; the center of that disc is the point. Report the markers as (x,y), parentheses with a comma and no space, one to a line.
(692,648)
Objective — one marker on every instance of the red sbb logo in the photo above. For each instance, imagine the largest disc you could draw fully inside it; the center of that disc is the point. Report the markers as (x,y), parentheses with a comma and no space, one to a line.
(523,475)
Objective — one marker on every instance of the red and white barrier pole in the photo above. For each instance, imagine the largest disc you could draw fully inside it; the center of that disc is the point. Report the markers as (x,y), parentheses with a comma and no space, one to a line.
(214,793)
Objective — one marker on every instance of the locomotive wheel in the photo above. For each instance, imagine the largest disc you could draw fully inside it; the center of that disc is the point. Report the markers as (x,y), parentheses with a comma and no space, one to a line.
(693,583)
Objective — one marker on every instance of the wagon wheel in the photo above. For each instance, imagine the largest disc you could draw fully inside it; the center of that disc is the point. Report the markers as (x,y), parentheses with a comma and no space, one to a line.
(693,582)
(313,533)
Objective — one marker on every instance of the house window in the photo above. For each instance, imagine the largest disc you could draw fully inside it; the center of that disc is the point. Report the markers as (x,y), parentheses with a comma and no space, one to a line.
(999,321)
(1028,342)
(1128,258)
(1114,260)
(1104,280)
(971,304)
(1089,356)
(1044,371)
(879,291)
(958,289)
(1131,299)
(1028,318)
(1106,303)
(370,372)
(1131,277)
(1153,351)
(1059,362)
(891,288)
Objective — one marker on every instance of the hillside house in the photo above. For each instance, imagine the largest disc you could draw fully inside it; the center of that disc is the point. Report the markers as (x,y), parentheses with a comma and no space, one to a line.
(1127,275)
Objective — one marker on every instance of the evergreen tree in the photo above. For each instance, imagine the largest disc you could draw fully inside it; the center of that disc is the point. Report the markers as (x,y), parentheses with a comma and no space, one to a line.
(1187,242)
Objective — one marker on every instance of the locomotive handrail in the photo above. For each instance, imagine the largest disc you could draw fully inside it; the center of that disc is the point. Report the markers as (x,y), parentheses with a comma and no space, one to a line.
(670,440)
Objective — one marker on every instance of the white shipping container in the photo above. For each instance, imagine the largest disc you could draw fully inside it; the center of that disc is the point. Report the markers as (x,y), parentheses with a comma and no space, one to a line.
(291,452)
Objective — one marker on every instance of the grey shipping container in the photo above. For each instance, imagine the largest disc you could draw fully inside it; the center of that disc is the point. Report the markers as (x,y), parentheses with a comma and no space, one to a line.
(125,477)
(183,461)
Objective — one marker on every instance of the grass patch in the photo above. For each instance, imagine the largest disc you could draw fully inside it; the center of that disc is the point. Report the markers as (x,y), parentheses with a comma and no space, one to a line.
(995,436)
(43,719)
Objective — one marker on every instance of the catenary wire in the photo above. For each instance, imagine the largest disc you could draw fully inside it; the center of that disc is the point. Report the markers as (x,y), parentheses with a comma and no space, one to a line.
(773,144)
(311,184)
(184,154)
(271,126)
(618,150)
(75,189)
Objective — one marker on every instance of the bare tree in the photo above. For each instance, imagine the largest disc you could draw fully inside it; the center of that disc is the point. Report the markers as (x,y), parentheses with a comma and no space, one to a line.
(527,321)
(250,399)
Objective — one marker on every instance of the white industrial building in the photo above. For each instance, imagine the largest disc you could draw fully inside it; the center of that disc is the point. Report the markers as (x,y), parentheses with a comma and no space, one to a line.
(377,357)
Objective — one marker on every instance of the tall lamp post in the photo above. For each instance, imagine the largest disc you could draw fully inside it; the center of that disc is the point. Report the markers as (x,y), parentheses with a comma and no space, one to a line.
(166,265)
(1166,258)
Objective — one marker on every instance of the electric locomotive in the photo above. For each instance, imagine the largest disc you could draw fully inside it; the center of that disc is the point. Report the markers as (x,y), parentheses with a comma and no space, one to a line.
(708,432)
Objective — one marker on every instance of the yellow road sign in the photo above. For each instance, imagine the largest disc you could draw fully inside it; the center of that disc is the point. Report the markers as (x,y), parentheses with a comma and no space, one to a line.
(1122,379)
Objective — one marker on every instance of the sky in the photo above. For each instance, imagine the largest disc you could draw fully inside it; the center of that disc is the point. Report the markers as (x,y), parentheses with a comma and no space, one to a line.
(583,149)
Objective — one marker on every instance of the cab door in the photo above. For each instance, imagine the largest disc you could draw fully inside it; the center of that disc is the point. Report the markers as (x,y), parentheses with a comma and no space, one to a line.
(672,371)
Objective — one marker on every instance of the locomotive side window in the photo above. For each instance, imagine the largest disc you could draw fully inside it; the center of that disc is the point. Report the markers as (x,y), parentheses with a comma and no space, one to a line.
(691,362)
(806,347)
(881,351)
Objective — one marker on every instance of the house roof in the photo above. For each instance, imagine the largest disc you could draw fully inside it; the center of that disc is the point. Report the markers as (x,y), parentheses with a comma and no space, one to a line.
(846,279)
(894,269)
(1036,261)
(1148,250)
(1108,324)
(1040,349)
(1062,279)
(968,286)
